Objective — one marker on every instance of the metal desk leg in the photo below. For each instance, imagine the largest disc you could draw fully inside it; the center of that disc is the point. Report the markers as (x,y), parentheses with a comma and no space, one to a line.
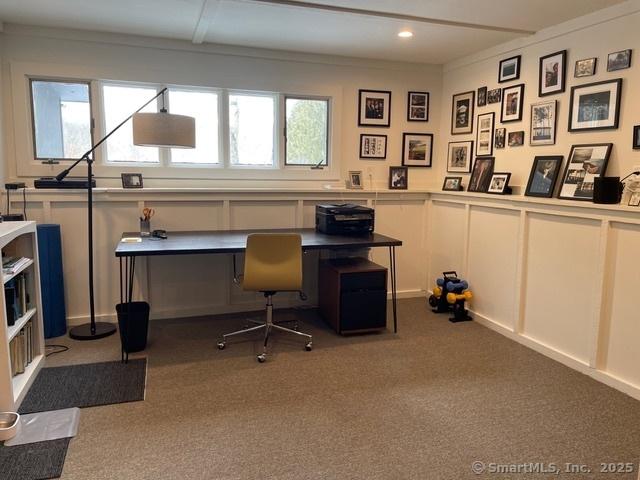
(392,267)
(126,296)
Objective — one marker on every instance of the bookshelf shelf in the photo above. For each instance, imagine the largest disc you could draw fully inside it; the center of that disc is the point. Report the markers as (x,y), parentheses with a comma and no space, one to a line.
(13,330)
(10,276)
(23,381)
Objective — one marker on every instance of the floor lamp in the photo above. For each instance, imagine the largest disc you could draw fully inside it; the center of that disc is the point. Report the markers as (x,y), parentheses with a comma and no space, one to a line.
(158,129)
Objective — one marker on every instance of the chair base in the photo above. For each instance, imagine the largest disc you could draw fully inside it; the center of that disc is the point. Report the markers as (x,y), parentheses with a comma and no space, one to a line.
(268,327)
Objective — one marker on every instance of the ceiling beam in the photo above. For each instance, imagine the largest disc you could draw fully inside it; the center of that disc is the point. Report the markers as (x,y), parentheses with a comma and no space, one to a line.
(207,15)
(391,15)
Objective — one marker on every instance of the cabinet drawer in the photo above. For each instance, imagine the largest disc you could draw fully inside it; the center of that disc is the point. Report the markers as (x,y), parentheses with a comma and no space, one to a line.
(363,281)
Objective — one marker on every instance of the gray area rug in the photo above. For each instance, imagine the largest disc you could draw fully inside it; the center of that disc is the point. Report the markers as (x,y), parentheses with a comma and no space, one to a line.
(86,385)
(34,461)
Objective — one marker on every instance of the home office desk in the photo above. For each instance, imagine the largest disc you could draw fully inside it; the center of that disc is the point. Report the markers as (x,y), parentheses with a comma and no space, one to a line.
(234,241)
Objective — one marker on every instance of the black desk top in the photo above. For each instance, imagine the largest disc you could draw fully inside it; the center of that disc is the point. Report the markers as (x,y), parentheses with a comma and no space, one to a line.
(234,241)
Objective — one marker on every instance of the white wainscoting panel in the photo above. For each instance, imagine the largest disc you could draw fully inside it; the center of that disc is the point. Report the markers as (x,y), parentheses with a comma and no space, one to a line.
(446,239)
(262,214)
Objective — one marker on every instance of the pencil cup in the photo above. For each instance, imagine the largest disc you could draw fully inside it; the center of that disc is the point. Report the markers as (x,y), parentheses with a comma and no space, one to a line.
(145,228)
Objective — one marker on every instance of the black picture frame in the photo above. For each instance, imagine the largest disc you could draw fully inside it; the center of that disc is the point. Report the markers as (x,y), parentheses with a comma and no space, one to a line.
(464,125)
(503,188)
(481,174)
(507,63)
(131,180)
(544,122)
(494,96)
(484,134)
(575,105)
(453,153)
(499,137)
(621,61)
(545,75)
(636,137)
(544,174)
(374,108)
(401,183)
(515,138)
(579,171)
(481,97)
(366,148)
(508,103)
(418,107)
(585,67)
(452,184)
(412,149)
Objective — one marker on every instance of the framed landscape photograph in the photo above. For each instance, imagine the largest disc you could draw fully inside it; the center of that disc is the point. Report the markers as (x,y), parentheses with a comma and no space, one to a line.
(509,69)
(585,67)
(636,137)
(585,163)
(481,174)
(595,106)
(499,183)
(484,135)
(552,73)
(482,96)
(459,157)
(462,113)
(543,176)
(418,107)
(398,178)
(499,137)
(516,139)
(543,123)
(417,149)
(452,184)
(619,60)
(512,101)
(373,146)
(374,108)
(494,96)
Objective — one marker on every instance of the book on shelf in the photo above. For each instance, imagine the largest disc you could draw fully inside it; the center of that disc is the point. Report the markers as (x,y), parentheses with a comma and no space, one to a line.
(16,297)
(13,264)
(21,349)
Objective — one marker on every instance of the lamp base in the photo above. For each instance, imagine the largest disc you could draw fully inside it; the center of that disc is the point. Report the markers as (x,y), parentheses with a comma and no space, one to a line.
(83,332)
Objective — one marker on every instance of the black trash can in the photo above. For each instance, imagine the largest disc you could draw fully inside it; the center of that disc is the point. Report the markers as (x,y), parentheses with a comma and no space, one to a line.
(133,323)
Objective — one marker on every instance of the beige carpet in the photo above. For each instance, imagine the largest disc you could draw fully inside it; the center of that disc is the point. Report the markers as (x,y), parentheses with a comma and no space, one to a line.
(423,404)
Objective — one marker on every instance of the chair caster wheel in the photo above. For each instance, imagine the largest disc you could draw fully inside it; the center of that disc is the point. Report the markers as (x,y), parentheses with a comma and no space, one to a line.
(308,347)
(221,345)
(262,358)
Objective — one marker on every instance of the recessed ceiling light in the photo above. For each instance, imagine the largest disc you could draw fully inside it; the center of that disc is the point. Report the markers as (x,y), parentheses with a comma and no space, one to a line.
(405,34)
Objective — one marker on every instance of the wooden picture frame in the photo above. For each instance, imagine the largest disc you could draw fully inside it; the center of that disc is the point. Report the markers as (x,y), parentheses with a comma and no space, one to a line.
(462,105)
(595,106)
(543,176)
(509,69)
(552,73)
(417,149)
(374,108)
(484,134)
(585,162)
(398,178)
(373,147)
(512,102)
(481,174)
(460,156)
(418,107)
(452,184)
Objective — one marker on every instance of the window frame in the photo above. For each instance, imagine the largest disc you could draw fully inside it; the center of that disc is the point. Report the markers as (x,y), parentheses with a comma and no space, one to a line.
(327,100)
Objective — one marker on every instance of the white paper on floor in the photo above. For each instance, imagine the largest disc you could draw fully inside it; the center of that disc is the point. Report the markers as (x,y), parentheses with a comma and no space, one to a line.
(41,426)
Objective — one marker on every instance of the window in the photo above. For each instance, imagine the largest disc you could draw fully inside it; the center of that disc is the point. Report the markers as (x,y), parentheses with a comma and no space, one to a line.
(61,116)
(119,102)
(203,106)
(251,130)
(306,131)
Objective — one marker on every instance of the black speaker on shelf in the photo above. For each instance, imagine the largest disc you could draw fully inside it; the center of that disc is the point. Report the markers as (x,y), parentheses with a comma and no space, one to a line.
(607,190)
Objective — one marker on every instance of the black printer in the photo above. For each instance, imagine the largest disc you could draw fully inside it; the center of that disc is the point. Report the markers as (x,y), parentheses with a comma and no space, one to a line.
(344,219)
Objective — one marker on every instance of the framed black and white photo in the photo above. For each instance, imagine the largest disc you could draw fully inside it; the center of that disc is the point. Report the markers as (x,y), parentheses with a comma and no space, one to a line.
(484,134)
(481,174)
(373,146)
(398,178)
(585,163)
(374,108)
(417,149)
(355,180)
(482,96)
(543,176)
(459,157)
(131,180)
(516,139)
(462,113)
(418,107)
(636,137)
(634,199)
(512,101)
(494,96)
(543,123)
(595,106)
(552,73)
(499,137)
(452,184)
(585,67)
(619,60)
(509,69)
(499,183)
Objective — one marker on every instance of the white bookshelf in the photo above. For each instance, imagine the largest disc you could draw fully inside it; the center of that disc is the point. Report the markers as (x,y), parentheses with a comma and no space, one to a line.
(18,239)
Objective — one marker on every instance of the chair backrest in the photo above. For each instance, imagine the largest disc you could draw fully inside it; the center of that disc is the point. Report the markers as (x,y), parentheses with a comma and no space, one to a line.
(273,262)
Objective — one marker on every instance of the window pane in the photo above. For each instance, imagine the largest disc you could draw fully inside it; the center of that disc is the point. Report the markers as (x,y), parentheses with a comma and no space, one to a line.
(251,124)
(61,119)
(204,107)
(306,131)
(119,103)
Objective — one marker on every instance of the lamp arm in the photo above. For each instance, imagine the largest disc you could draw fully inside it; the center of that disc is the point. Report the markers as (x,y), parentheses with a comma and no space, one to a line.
(65,172)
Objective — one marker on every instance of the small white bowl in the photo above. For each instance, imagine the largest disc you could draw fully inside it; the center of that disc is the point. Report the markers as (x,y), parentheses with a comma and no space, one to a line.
(8,425)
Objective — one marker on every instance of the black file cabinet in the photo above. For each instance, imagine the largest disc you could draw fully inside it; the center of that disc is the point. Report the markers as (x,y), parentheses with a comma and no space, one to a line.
(353,295)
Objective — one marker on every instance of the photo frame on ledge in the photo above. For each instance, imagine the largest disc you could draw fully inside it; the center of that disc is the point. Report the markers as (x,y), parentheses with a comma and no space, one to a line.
(355,180)
(131,180)
(398,178)
(481,174)
(585,163)
(595,106)
(543,176)
(484,134)
(499,184)
(552,73)
(462,113)
(374,108)
(512,101)
(452,184)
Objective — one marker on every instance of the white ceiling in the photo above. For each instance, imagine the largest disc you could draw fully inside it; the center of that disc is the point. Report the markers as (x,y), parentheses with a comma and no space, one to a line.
(291,25)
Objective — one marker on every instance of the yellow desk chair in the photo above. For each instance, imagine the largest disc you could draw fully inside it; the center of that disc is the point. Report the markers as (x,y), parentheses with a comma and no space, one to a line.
(272,263)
